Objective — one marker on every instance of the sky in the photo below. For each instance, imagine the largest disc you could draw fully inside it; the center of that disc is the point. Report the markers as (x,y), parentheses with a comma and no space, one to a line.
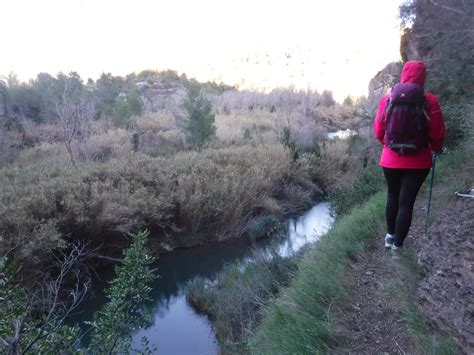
(338,45)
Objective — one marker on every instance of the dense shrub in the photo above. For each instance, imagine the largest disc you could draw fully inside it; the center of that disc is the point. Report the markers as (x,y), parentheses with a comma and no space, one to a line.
(329,162)
(215,191)
(264,226)
(236,301)
(457,116)
(33,320)
(368,181)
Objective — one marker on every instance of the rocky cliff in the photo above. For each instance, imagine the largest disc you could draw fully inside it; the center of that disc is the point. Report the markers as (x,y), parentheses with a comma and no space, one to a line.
(442,35)
(380,85)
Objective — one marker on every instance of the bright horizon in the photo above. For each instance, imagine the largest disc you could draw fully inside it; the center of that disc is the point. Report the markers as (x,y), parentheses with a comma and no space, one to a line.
(261,45)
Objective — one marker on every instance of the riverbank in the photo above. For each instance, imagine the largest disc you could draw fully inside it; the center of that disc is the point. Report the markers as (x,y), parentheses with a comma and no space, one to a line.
(345,292)
(236,299)
(349,295)
(180,271)
(298,320)
(188,194)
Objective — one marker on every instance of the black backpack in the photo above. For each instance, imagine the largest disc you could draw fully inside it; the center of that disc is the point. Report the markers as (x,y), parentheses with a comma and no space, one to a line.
(406,122)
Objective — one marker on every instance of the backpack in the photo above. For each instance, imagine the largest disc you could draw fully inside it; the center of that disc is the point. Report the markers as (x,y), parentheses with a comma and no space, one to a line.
(406,122)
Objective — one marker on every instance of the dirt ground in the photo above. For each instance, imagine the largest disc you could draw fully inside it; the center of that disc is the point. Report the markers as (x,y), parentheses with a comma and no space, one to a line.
(374,322)
(446,293)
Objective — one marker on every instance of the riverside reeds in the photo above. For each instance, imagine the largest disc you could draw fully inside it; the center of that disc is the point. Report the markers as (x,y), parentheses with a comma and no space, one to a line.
(215,191)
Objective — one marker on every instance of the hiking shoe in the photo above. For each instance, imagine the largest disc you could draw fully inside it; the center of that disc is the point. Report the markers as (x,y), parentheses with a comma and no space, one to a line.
(389,239)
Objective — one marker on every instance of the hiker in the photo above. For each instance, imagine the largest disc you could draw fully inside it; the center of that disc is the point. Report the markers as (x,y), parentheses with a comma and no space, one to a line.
(410,125)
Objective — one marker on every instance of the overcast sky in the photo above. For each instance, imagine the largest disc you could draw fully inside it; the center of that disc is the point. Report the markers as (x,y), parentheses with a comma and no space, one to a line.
(332,44)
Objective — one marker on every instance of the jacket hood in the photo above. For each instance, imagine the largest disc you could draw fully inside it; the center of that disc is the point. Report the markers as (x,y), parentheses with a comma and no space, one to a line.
(414,72)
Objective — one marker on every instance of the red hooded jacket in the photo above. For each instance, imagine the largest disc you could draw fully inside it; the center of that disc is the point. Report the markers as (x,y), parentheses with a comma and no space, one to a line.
(413,72)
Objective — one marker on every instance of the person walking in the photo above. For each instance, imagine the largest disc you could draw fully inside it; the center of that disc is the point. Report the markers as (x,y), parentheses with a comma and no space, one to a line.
(410,125)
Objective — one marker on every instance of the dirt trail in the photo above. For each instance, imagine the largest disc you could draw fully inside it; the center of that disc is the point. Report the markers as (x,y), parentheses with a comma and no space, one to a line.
(374,321)
(446,294)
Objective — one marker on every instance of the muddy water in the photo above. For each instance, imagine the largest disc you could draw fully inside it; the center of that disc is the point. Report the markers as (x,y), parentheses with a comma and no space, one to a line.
(177,329)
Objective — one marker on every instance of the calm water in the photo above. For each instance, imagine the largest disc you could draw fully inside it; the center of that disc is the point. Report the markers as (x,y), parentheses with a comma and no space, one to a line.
(177,329)
(342,134)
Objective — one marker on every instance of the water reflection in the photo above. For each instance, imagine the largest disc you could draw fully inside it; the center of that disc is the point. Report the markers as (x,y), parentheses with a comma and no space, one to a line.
(177,329)
(180,331)
(342,134)
(306,229)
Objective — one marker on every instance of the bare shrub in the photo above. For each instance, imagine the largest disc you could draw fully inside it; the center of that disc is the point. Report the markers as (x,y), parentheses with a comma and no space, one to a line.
(231,127)
(275,100)
(103,146)
(41,152)
(305,131)
(216,191)
(238,177)
(329,168)
(156,121)
(159,133)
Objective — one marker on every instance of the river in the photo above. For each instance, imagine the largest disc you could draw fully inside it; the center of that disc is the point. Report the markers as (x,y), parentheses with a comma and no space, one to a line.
(341,134)
(177,329)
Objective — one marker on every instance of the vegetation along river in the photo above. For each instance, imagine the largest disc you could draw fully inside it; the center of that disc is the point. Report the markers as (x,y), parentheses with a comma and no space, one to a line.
(177,328)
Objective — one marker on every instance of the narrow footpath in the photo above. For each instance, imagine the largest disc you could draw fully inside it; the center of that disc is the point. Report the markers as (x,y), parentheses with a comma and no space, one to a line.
(417,303)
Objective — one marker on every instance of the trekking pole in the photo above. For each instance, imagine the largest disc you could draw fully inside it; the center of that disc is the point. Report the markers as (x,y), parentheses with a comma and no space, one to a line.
(431,192)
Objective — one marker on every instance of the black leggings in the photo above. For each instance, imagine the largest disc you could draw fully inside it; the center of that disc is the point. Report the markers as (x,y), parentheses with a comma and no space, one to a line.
(403,186)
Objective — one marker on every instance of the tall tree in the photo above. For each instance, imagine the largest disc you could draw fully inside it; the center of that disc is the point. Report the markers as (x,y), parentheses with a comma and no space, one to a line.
(199,120)
(72,106)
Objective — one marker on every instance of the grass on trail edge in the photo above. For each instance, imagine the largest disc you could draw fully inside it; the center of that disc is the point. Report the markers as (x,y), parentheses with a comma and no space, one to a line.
(419,328)
(298,322)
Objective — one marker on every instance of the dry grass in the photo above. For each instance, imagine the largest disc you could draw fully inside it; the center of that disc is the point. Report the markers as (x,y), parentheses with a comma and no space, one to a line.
(215,191)
(259,124)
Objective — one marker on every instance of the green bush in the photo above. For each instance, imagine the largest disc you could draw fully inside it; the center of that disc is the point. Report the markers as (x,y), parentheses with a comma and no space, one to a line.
(199,120)
(235,303)
(264,226)
(368,181)
(124,312)
(457,117)
(33,320)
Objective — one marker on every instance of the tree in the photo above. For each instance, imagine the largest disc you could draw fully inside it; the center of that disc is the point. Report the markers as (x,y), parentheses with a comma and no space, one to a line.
(125,107)
(33,320)
(12,132)
(108,88)
(327,98)
(348,101)
(124,311)
(199,120)
(135,103)
(121,113)
(72,106)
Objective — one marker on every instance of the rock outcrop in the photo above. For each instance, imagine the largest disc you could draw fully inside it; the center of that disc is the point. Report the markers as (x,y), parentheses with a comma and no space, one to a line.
(442,35)
(380,85)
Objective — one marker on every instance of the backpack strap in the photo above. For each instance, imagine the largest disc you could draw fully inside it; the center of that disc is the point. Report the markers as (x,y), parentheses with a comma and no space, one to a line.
(426,115)
(425,107)
(385,110)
